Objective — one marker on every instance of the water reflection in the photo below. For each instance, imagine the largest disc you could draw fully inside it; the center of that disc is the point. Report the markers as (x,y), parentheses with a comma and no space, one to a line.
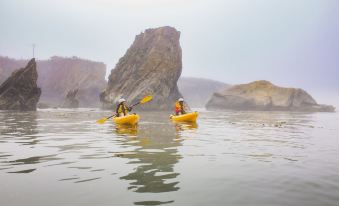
(128,130)
(155,155)
(257,135)
(18,123)
(186,126)
(33,160)
(154,163)
(266,119)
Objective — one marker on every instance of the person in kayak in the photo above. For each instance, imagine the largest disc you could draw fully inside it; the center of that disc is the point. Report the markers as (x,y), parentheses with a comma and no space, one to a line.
(180,107)
(122,108)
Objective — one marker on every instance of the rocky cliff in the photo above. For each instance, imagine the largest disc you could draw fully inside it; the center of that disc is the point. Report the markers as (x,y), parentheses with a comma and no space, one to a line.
(20,90)
(59,75)
(263,95)
(197,91)
(152,65)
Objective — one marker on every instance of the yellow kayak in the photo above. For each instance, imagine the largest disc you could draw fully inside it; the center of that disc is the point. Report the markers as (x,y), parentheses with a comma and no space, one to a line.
(190,117)
(129,119)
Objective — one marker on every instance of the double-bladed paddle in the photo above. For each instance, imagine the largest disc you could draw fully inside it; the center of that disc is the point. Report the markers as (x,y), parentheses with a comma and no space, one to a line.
(142,101)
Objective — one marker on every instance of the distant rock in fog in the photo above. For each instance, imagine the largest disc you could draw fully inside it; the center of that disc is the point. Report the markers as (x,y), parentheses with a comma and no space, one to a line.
(263,95)
(20,90)
(59,75)
(152,65)
(71,100)
(197,91)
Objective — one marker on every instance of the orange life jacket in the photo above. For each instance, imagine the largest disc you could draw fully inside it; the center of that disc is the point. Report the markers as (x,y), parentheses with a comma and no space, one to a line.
(178,107)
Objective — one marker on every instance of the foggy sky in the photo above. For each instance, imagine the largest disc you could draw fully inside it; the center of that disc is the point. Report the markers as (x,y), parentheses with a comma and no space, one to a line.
(289,42)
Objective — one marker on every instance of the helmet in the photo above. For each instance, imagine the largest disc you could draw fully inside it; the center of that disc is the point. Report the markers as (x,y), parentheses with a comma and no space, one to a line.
(180,99)
(122,100)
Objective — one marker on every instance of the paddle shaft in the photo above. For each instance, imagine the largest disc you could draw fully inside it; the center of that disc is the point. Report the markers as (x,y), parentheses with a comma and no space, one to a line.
(111,116)
(136,104)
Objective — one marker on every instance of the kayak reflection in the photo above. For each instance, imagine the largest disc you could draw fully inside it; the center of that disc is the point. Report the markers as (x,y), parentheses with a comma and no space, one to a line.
(128,130)
(155,155)
(185,126)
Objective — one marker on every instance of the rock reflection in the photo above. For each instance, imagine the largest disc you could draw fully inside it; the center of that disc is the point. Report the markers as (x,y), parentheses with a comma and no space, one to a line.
(18,123)
(155,157)
(21,124)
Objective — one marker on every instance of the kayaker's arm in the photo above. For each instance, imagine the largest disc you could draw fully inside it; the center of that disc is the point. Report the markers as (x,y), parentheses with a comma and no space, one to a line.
(117,110)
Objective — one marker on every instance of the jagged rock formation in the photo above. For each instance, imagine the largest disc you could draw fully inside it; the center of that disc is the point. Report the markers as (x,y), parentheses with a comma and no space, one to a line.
(71,100)
(20,90)
(263,95)
(197,91)
(152,65)
(58,75)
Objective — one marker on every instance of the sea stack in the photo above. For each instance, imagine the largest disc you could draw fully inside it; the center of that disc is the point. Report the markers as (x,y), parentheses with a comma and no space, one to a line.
(20,90)
(263,95)
(152,65)
(70,100)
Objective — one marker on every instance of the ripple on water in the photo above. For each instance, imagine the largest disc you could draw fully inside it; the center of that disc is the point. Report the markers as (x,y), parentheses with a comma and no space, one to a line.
(153,202)
(23,171)
(87,180)
(34,160)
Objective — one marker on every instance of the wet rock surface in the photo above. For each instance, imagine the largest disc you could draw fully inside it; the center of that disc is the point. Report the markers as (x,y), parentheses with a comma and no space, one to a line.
(263,95)
(152,65)
(20,90)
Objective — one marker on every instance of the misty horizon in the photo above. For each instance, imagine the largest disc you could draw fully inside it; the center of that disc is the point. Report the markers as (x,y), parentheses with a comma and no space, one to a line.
(291,44)
(320,97)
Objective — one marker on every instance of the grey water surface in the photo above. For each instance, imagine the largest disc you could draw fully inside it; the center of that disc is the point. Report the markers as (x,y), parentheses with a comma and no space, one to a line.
(62,157)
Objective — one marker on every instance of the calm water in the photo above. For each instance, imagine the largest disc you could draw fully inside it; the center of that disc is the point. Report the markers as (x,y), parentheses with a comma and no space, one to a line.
(62,157)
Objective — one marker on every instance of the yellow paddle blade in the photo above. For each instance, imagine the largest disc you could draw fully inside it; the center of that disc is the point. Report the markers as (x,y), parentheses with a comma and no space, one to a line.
(102,121)
(146,99)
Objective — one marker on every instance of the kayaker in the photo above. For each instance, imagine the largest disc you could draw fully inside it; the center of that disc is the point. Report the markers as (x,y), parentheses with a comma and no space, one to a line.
(180,107)
(122,108)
